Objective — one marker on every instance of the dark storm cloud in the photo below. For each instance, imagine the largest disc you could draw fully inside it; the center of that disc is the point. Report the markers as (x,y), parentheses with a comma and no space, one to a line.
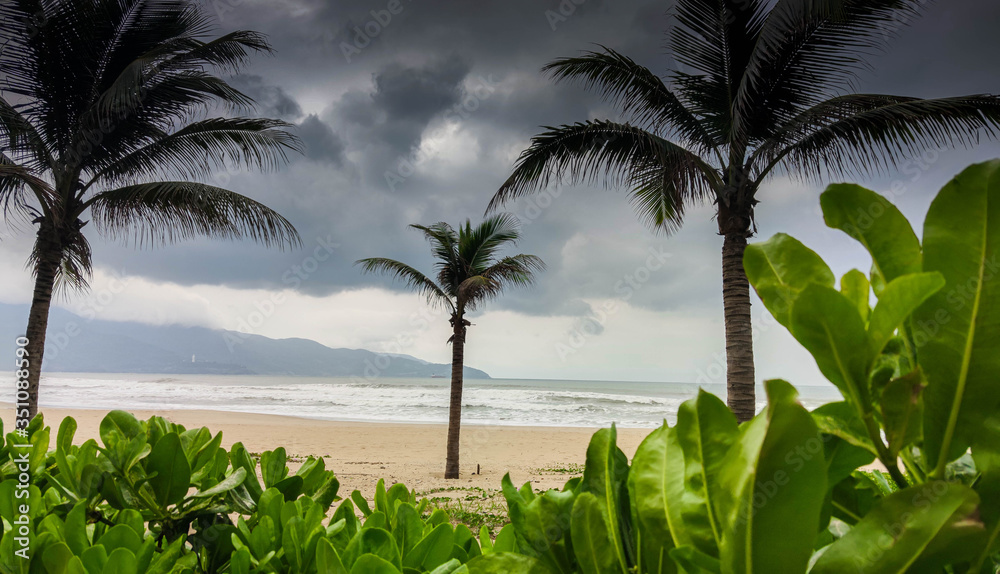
(364,118)
(272,101)
(320,141)
(396,109)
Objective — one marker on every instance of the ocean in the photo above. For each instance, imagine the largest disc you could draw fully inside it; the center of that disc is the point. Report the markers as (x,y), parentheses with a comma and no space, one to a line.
(517,402)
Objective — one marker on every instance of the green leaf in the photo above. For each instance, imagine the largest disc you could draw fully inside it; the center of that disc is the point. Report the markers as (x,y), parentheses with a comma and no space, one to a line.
(605,476)
(241,459)
(875,223)
(902,411)
(506,540)
(506,563)
(854,285)
(706,431)
(290,487)
(449,567)
(122,422)
(408,529)
(901,297)
(327,559)
(272,466)
(64,446)
(372,564)
(843,458)
(656,488)
(433,550)
(542,523)
(957,331)
(173,473)
(230,482)
(693,561)
(361,503)
(829,327)
(121,561)
(56,557)
(776,476)
(901,534)
(76,529)
(780,268)
(592,542)
(842,421)
(120,536)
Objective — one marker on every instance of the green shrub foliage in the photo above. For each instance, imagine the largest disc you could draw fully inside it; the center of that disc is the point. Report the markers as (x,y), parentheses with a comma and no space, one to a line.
(785,492)
(154,498)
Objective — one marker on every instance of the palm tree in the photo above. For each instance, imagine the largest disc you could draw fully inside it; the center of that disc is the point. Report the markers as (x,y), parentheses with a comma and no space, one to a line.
(758,91)
(470,272)
(100,107)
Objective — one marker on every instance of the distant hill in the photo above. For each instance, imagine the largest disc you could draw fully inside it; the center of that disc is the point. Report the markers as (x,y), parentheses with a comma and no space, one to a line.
(75,344)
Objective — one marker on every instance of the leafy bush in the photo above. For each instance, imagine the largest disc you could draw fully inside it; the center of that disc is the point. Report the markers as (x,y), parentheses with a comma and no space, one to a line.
(153,498)
(783,493)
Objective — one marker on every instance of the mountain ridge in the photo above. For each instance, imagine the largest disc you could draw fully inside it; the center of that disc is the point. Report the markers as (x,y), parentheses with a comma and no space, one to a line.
(78,344)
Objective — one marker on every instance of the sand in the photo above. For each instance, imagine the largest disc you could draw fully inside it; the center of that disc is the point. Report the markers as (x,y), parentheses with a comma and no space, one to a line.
(361,453)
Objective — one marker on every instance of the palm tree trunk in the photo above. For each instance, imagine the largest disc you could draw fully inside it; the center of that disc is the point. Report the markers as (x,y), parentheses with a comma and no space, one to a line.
(455,407)
(38,316)
(740,377)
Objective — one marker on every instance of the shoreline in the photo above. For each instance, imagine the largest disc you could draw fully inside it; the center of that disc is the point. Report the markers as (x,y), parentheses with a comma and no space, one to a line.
(360,453)
(470,424)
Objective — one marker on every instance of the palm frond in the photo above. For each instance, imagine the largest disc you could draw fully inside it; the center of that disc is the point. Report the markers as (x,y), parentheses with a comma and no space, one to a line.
(478,245)
(14,179)
(834,142)
(19,136)
(165,212)
(657,198)
(73,269)
(411,277)
(512,271)
(617,155)
(445,247)
(639,93)
(714,38)
(200,147)
(808,51)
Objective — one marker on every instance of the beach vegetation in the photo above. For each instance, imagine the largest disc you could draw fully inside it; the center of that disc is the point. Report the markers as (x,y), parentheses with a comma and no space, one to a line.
(903,475)
(152,497)
(470,272)
(757,89)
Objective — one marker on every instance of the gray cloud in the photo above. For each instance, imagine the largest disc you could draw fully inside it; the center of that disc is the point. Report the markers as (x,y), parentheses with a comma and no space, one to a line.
(272,101)
(321,143)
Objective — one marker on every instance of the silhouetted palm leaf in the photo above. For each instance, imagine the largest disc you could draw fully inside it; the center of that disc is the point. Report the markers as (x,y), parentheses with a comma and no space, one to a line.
(165,212)
(411,277)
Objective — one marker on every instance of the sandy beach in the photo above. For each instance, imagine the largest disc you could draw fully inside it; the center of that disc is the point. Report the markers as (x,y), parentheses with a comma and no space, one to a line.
(361,453)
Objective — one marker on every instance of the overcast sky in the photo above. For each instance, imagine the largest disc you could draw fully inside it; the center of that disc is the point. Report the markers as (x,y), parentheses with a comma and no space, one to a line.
(422,122)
